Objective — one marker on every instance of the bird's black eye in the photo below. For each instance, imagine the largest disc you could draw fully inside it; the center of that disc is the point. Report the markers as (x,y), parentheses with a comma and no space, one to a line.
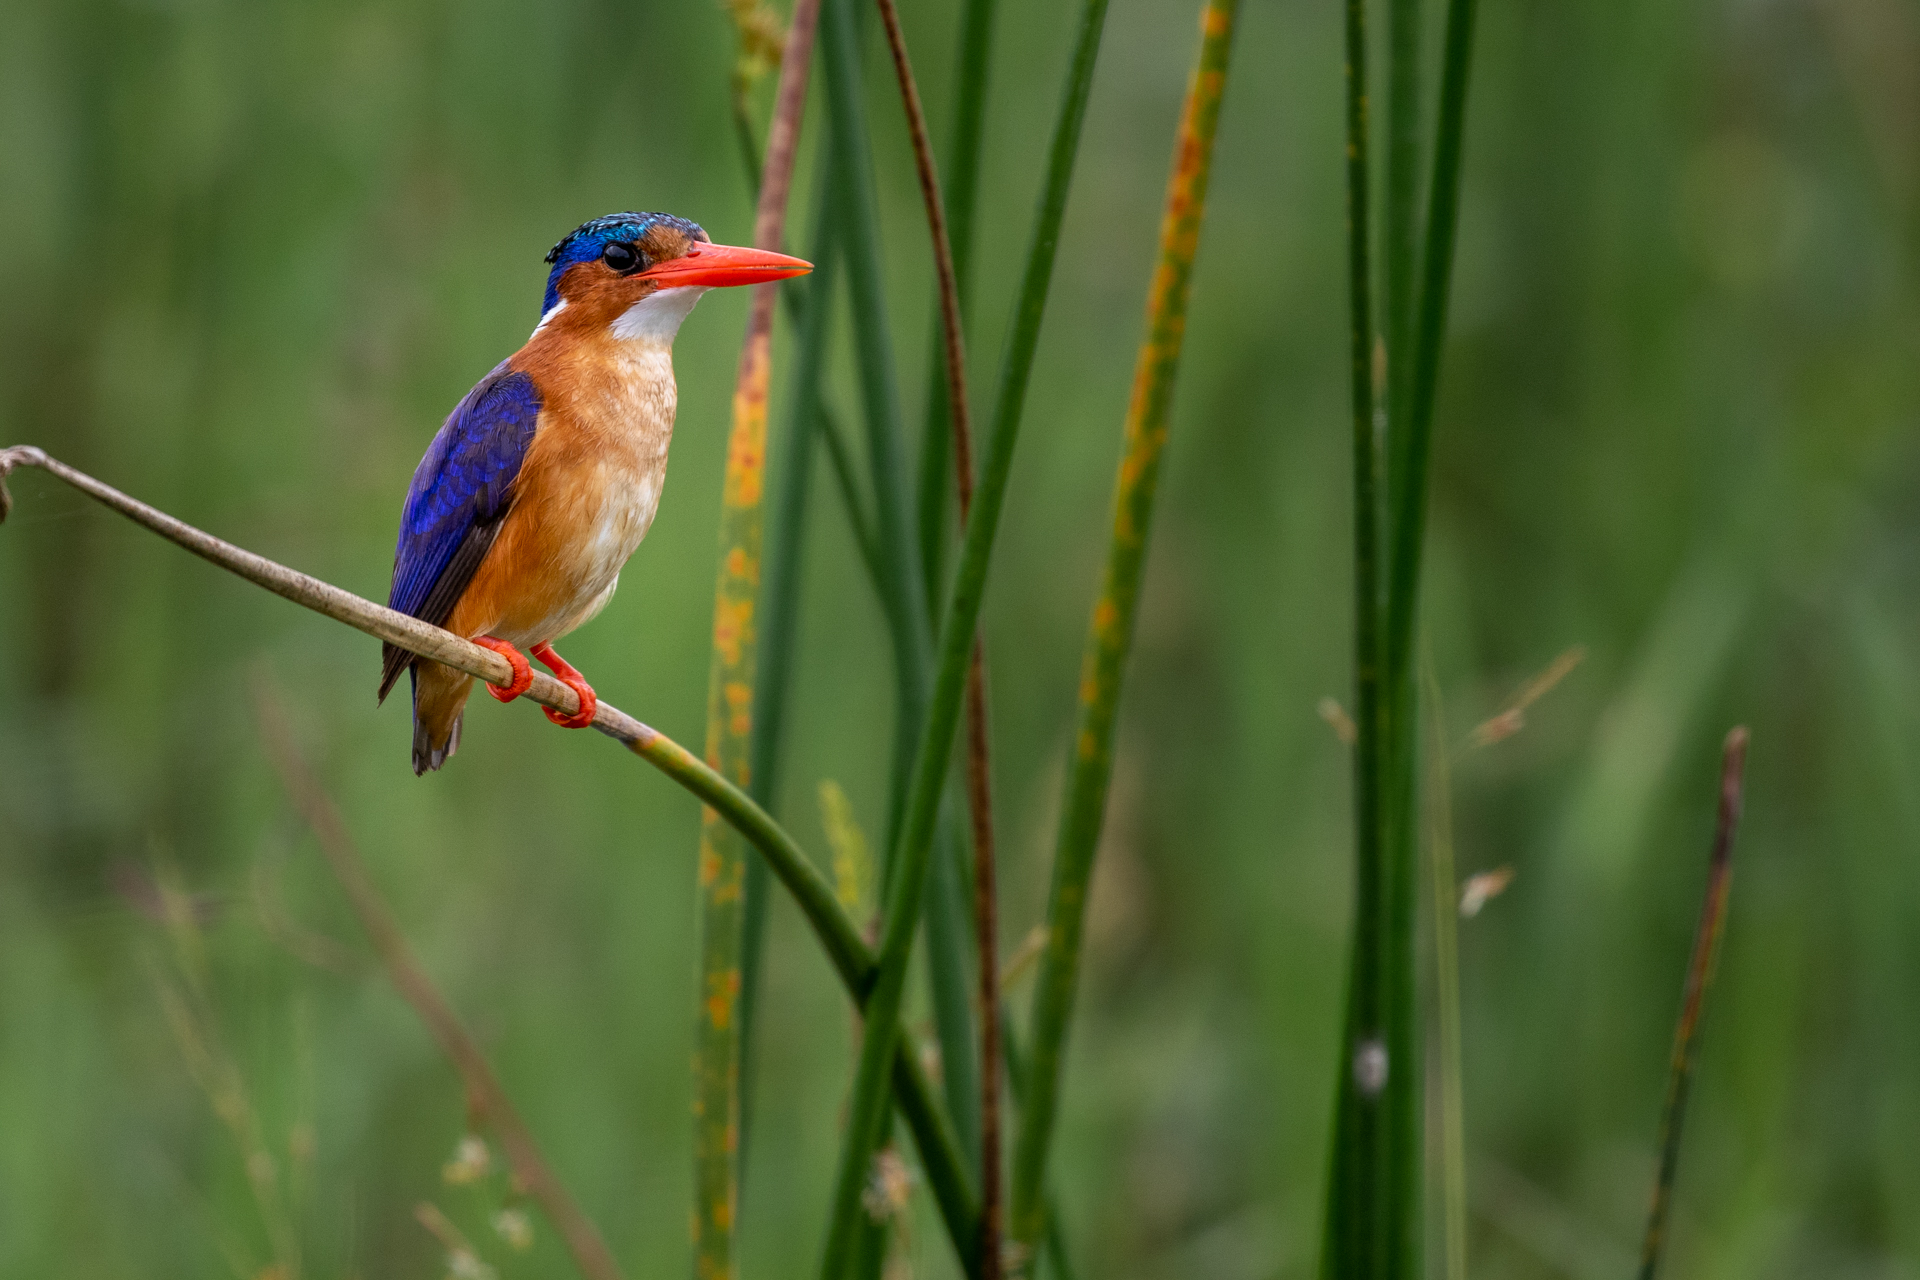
(620,257)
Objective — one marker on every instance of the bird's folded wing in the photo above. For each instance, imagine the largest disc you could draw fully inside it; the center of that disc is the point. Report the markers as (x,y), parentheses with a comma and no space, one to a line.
(458,497)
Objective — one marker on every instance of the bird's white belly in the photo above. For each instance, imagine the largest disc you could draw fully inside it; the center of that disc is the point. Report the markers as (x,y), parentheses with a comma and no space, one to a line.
(593,562)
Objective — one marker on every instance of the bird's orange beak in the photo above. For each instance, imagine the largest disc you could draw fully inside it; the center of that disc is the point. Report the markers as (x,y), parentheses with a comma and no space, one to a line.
(716,266)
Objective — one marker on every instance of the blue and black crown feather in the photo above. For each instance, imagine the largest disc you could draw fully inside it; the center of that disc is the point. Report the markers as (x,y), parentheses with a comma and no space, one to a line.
(590,239)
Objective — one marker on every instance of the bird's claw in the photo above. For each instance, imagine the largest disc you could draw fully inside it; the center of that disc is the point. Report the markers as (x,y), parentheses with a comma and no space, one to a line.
(563,672)
(522,669)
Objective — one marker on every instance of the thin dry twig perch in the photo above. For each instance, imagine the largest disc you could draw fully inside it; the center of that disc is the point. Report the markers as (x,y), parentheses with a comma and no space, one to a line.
(809,886)
(530,1170)
(853,960)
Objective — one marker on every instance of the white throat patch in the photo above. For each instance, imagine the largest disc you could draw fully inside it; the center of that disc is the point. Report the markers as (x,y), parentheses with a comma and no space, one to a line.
(657,317)
(552,311)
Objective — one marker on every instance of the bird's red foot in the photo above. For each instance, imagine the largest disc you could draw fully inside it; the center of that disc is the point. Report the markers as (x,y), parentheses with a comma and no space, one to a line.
(522,669)
(563,672)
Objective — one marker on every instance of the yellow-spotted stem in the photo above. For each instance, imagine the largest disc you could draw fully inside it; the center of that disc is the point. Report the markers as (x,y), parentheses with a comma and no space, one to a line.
(722,867)
(1111,634)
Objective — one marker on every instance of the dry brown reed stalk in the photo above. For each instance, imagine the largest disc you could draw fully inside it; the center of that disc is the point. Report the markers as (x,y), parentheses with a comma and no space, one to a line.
(1706,951)
(979,761)
(953,341)
(322,597)
(718,1029)
(986,949)
(531,1173)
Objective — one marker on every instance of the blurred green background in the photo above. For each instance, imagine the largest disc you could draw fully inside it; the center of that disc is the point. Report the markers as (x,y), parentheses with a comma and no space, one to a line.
(251,253)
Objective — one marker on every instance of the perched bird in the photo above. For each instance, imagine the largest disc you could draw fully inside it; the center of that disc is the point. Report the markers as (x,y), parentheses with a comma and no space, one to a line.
(546,476)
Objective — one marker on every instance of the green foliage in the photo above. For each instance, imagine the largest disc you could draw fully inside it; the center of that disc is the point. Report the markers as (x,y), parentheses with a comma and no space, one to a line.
(912,847)
(254,254)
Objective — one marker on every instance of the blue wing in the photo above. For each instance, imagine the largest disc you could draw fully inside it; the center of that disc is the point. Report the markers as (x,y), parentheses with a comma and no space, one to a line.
(458,496)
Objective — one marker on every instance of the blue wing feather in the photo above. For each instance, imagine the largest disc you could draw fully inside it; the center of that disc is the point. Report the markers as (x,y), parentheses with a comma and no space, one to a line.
(465,479)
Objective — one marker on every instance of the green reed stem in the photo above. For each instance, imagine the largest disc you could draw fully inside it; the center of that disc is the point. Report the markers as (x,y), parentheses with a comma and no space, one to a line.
(949,949)
(941,1157)
(1446,979)
(962,188)
(797,296)
(1055,1244)
(1373,1222)
(846,478)
(867,1106)
(1110,635)
(903,596)
(1443,210)
(1706,950)
(903,592)
(1400,220)
(1375,1159)
(723,857)
(779,602)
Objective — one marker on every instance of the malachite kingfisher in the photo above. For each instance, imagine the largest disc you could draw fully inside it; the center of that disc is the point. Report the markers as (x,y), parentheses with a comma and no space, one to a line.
(547,475)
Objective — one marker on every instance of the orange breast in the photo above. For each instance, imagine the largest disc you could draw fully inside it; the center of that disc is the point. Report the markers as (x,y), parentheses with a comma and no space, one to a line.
(585,496)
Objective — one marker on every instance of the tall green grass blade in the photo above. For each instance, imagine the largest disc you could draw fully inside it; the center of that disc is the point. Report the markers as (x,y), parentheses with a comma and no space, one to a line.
(846,478)
(949,949)
(866,1110)
(779,605)
(941,1158)
(1111,633)
(723,861)
(903,597)
(1446,980)
(1443,211)
(1375,1163)
(1373,1213)
(1686,1033)
(1054,1246)
(962,198)
(1400,220)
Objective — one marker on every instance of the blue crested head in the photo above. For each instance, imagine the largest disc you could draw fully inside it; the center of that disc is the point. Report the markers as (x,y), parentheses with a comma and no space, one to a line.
(590,240)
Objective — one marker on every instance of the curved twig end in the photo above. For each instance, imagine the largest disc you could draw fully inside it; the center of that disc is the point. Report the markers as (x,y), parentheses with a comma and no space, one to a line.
(19,455)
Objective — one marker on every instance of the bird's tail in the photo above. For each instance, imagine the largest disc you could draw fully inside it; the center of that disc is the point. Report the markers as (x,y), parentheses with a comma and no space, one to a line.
(439,704)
